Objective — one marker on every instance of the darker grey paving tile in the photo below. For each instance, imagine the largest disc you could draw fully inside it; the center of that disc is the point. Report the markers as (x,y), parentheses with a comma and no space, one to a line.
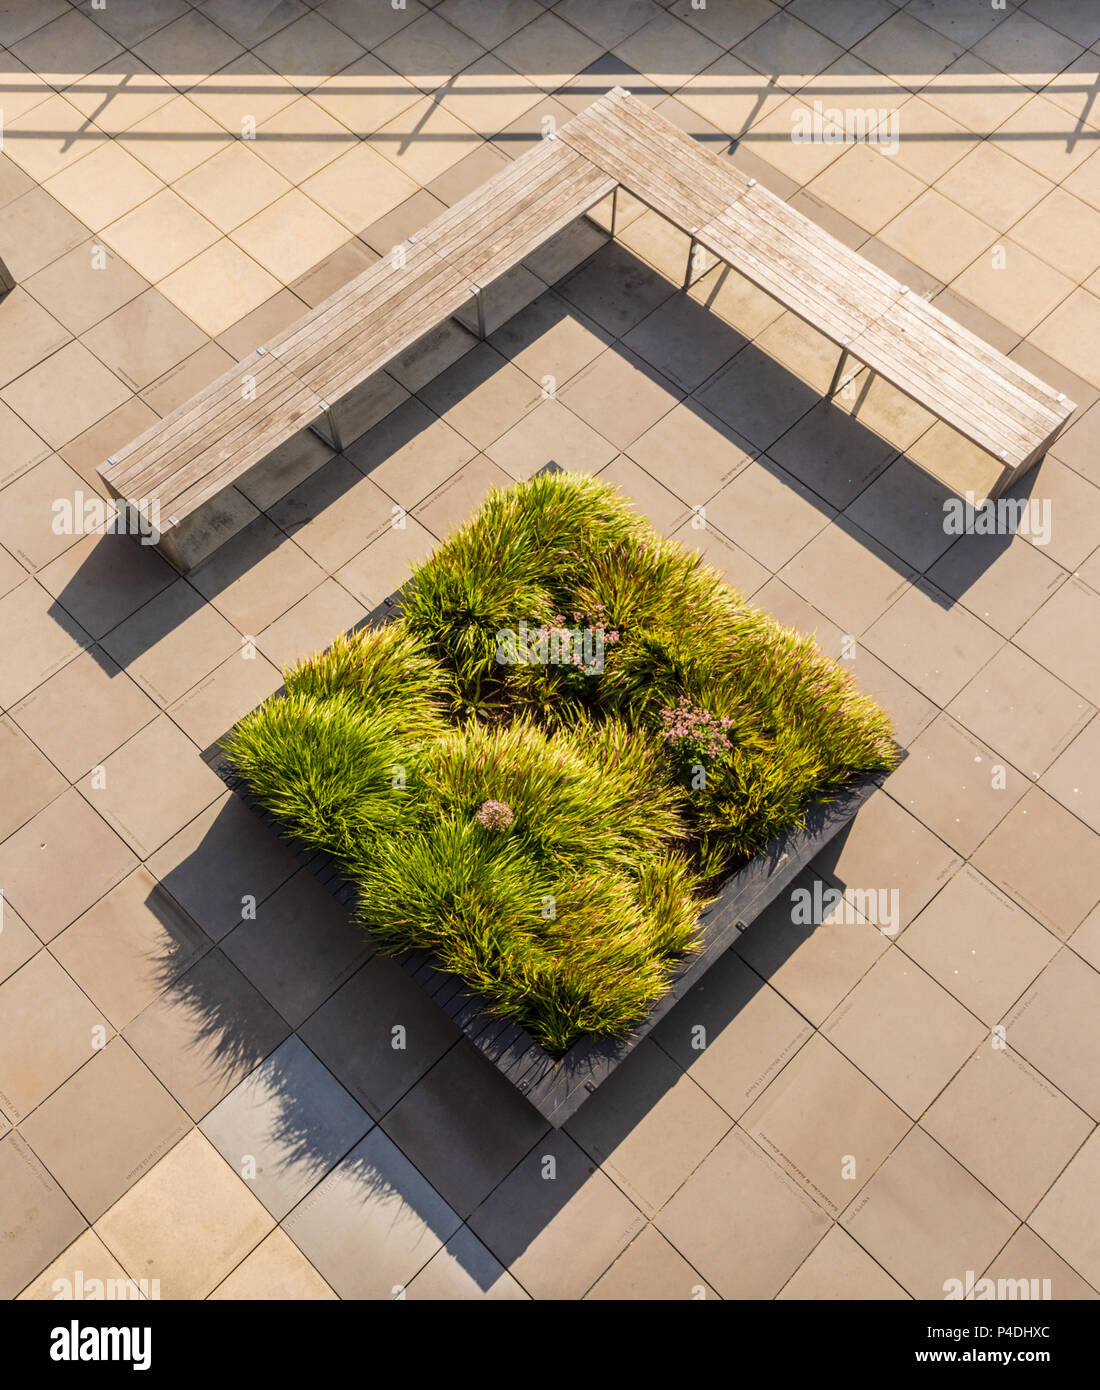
(615,288)
(37,1220)
(300,947)
(379,1034)
(556,1221)
(105,1127)
(831,452)
(684,340)
(373,1223)
(400,223)
(285,1125)
(205,1033)
(465,1126)
(757,396)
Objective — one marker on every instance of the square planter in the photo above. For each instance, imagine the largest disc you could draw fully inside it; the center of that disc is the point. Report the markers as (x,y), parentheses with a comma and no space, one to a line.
(558,1087)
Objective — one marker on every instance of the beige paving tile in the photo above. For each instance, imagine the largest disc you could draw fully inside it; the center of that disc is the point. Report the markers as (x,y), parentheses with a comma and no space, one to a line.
(1070,334)
(129,946)
(1086,939)
(938,235)
(366,94)
(423,140)
(979,944)
(40,640)
(913,50)
(70,136)
(837,1269)
(242,95)
(234,688)
(20,449)
(334,513)
(936,646)
(187,378)
(954,784)
(334,272)
(847,575)
(732,1034)
(187,1222)
(1030,50)
(547,51)
(39,1216)
(104,578)
(290,236)
(172,642)
(104,1127)
(1064,232)
(551,434)
(410,453)
(103,186)
(464,1126)
(372,1223)
(866,186)
(83,713)
(1000,579)
(32,527)
(276,1269)
(151,786)
(926,1220)
(1008,1126)
(219,287)
(1053,1028)
(29,780)
(73,1272)
(175,138)
(385,565)
(49,1030)
(65,394)
(188,49)
(994,186)
(23,90)
(1064,779)
(1046,859)
(121,92)
(650,1128)
(742,1222)
(1084,182)
(1073,504)
(300,139)
(1013,285)
(904,1031)
(483,395)
(258,578)
(692,453)
(487,95)
(161,235)
(1041,134)
(1027,1257)
(310,625)
(17,943)
(230,188)
(1052,637)
(778,139)
(825,1124)
(358,188)
(650,1269)
(1058,1218)
(535,1227)
(1023,711)
(730,94)
(788,51)
(978,96)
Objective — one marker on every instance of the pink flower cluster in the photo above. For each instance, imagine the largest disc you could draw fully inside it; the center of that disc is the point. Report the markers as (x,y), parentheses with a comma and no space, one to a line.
(695,732)
(494,815)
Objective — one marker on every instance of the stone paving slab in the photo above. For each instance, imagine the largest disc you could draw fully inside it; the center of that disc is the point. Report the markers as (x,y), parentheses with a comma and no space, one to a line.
(154,242)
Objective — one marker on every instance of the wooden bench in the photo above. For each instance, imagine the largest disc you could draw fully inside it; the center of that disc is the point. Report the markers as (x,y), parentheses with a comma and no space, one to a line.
(318,373)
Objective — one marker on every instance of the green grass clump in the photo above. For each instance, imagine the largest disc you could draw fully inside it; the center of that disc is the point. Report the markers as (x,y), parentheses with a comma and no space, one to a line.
(572,906)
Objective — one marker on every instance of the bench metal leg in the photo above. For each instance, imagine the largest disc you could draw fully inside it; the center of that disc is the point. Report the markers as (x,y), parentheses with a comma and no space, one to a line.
(614,209)
(480,302)
(690,262)
(835,383)
(332,438)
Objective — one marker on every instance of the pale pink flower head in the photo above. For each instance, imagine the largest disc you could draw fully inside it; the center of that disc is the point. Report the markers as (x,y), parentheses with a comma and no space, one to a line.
(494,815)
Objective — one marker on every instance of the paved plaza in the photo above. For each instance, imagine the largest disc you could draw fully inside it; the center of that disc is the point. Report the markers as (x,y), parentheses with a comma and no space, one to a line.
(198,1078)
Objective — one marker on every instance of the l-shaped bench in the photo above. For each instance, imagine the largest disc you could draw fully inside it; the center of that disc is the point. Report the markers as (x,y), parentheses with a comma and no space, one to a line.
(311,375)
